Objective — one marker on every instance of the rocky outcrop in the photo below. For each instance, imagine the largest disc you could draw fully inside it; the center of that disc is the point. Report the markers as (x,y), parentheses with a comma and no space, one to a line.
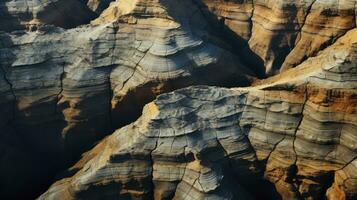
(282,34)
(62,90)
(98,6)
(64,80)
(181,149)
(296,130)
(73,71)
(29,14)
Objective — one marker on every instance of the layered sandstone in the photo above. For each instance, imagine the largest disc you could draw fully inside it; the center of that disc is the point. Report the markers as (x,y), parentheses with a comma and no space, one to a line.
(282,34)
(62,81)
(72,71)
(296,130)
(62,90)
(98,5)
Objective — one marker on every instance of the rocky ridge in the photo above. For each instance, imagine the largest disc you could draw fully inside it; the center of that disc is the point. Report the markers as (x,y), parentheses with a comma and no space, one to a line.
(28,14)
(67,80)
(296,130)
(65,89)
(282,34)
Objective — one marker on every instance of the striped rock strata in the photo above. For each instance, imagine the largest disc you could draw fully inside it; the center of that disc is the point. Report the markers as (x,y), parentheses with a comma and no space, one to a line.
(275,35)
(282,34)
(28,14)
(297,130)
(61,90)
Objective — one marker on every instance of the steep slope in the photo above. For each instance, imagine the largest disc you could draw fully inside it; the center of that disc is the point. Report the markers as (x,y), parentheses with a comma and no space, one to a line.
(29,14)
(62,90)
(296,130)
(73,71)
(281,34)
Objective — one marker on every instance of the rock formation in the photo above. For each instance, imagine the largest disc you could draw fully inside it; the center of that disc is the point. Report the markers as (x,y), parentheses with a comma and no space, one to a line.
(28,14)
(284,33)
(62,90)
(73,71)
(297,130)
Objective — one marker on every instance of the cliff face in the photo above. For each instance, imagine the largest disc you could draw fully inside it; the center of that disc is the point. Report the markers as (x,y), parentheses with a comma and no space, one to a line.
(297,130)
(67,80)
(28,14)
(64,89)
(283,33)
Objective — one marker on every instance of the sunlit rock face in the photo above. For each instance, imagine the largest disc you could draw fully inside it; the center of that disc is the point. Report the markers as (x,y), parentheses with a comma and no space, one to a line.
(283,33)
(322,147)
(98,5)
(295,130)
(73,71)
(62,90)
(72,82)
(187,155)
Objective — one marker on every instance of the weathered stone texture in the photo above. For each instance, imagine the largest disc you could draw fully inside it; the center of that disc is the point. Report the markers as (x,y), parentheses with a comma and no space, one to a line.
(283,33)
(73,71)
(296,130)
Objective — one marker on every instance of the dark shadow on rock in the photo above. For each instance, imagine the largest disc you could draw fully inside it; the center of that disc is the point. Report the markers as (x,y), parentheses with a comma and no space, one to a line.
(23,173)
(9,22)
(63,13)
(49,151)
(232,41)
(66,14)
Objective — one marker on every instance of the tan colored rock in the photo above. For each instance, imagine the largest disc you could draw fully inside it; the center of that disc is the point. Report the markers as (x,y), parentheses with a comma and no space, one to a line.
(234,14)
(180,157)
(344,186)
(62,90)
(192,142)
(98,5)
(325,22)
(66,89)
(282,34)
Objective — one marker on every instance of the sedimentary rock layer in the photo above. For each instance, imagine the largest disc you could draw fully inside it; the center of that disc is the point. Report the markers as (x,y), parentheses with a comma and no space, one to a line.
(64,80)
(296,130)
(282,33)
(72,71)
(28,14)
(275,35)
(61,90)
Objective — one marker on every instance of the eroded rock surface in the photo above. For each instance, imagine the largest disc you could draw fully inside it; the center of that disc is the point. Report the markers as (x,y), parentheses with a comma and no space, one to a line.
(29,14)
(61,90)
(72,71)
(282,34)
(297,130)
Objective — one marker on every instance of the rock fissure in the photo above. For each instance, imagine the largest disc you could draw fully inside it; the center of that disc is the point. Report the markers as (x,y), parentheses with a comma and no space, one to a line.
(110,109)
(136,50)
(61,78)
(306,98)
(275,146)
(14,106)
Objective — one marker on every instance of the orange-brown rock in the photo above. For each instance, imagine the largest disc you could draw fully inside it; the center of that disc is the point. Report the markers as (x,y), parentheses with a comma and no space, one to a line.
(296,130)
(62,90)
(283,34)
(72,71)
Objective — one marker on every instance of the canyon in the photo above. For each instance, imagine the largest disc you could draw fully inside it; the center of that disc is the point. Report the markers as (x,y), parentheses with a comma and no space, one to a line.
(178,99)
